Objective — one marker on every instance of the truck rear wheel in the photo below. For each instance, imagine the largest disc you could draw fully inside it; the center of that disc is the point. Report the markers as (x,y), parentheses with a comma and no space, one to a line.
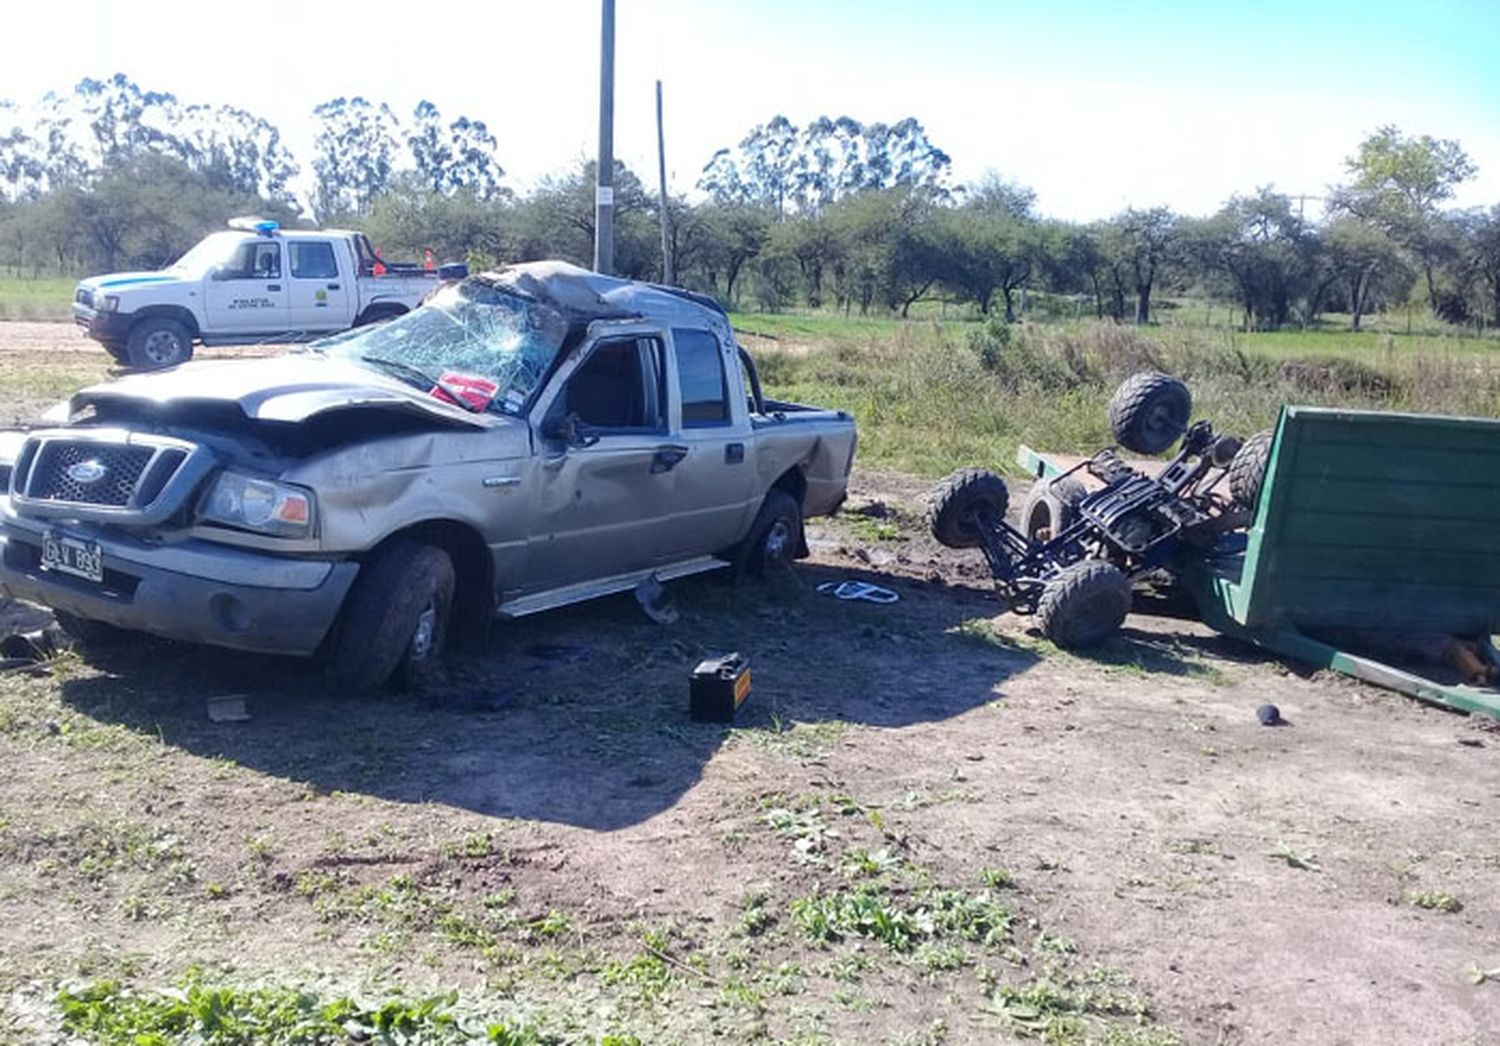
(775,536)
(158,341)
(396,620)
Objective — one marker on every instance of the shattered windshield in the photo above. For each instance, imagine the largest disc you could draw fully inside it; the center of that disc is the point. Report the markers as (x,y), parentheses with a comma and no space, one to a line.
(472,344)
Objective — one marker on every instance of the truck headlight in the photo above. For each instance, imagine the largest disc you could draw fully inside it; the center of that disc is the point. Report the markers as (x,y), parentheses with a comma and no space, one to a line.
(251,503)
(106,303)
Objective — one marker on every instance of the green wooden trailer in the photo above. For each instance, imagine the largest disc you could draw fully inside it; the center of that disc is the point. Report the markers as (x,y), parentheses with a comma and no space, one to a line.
(1368,523)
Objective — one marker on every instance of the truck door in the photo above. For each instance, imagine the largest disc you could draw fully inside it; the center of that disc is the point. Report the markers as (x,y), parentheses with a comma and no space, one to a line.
(317,296)
(599,508)
(711,502)
(247,294)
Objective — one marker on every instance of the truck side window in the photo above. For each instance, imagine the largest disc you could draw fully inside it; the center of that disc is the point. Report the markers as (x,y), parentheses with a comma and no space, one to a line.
(312,261)
(619,387)
(253,260)
(700,377)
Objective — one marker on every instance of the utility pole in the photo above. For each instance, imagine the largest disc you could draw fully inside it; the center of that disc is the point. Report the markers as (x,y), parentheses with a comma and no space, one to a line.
(604,190)
(668,276)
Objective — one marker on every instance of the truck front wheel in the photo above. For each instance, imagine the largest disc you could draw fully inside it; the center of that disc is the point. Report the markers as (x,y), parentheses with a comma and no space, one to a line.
(396,620)
(158,341)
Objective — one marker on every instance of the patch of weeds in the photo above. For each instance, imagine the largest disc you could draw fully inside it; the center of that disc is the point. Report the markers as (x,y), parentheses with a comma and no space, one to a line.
(925,797)
(868,528)
(849,967)
(110,1014)
(473,845)
(797,740)
(997,878)
(941,958)
(1303,860)
(867,912)
(645,972)
(859,1002)
(550,926)
(1433,900)
(935,1034)
(860,862)
(755,917)
(1195,847)
(807,830)
(96,849)
(1063,1008)
(971,917)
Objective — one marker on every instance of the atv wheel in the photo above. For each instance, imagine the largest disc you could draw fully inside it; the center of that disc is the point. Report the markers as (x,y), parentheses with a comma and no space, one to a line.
(1149,412)
(395,621)
(1084,604)
(158,341)
(959,499)
(1247,472)
(1051,507)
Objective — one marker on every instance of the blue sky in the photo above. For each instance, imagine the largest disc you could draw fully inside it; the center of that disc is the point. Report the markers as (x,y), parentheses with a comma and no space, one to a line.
(1096,105)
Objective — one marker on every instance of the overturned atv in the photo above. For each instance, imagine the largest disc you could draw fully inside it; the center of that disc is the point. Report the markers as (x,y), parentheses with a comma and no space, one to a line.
(1080,547)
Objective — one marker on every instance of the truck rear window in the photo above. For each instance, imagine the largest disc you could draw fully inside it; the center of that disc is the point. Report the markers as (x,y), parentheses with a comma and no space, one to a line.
(312,261)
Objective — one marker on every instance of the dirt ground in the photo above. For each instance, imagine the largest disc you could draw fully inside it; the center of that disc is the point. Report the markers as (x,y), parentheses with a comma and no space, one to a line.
(1103,849)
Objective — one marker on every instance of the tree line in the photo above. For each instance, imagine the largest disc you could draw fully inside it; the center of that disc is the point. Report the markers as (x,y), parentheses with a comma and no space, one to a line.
(836,213)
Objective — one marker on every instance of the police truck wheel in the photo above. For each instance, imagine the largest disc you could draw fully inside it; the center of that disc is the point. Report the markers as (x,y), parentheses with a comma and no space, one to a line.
(1051,506)
(157,342)
(958,502)
(1084,604)
(1247,472)
(396,620)
(1149,412)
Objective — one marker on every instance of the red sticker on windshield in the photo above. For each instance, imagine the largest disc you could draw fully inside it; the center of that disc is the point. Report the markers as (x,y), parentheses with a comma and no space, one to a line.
(474,390)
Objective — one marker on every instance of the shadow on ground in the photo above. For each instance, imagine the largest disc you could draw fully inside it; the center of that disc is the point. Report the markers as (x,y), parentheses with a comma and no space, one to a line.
(578,716)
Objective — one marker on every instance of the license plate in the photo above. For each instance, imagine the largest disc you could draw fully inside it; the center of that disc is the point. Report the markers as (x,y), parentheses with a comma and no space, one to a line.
(70,555)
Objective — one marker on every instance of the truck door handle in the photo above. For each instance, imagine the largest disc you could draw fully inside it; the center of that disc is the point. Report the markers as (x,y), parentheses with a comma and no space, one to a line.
(667,456)
(273,286)
(333,286)
(734,453)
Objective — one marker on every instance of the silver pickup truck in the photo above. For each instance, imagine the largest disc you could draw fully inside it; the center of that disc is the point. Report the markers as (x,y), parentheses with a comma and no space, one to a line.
(527,439)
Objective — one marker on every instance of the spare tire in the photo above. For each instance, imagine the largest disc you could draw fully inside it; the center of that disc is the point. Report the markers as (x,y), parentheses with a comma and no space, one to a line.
(1149,412)
(959,499)
(1247,472)
(1084,604)
(1051,506)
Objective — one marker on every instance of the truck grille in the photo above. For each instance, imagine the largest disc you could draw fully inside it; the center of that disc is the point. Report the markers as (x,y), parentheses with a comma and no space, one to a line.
(105,474)
(118,468)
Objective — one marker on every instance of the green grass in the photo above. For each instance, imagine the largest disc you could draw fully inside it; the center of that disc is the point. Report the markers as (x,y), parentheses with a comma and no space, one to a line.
(48,298)
(932,397)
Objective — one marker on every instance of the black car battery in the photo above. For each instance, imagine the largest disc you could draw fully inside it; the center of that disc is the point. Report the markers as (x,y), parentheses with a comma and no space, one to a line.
(717,688)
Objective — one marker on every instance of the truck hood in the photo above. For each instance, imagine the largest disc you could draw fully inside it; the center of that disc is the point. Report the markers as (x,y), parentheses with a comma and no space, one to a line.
(117,280)
(289,389)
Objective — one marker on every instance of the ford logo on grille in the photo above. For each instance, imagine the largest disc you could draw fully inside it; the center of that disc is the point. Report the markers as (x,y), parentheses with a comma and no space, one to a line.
(86,472)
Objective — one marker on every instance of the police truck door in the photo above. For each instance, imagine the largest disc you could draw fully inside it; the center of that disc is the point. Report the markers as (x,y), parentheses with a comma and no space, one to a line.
(248,292)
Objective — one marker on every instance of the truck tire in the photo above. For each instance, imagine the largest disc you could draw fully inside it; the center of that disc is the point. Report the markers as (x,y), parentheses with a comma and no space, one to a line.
(1247,472)
(158,341)
(1084,604)
(396,620)
(958,499)
(1149,412)
(1051,506)
(775,537)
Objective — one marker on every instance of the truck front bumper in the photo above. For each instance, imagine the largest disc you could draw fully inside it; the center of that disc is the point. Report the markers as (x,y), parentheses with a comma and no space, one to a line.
(110,328)
(194,590)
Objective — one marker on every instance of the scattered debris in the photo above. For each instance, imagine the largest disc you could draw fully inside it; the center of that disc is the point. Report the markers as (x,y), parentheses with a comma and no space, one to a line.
(1270,715)
(228,708)
(861,590)
(1478,974)
(653,600)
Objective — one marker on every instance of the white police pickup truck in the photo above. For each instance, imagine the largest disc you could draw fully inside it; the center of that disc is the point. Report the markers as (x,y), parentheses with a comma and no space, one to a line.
(255,283)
